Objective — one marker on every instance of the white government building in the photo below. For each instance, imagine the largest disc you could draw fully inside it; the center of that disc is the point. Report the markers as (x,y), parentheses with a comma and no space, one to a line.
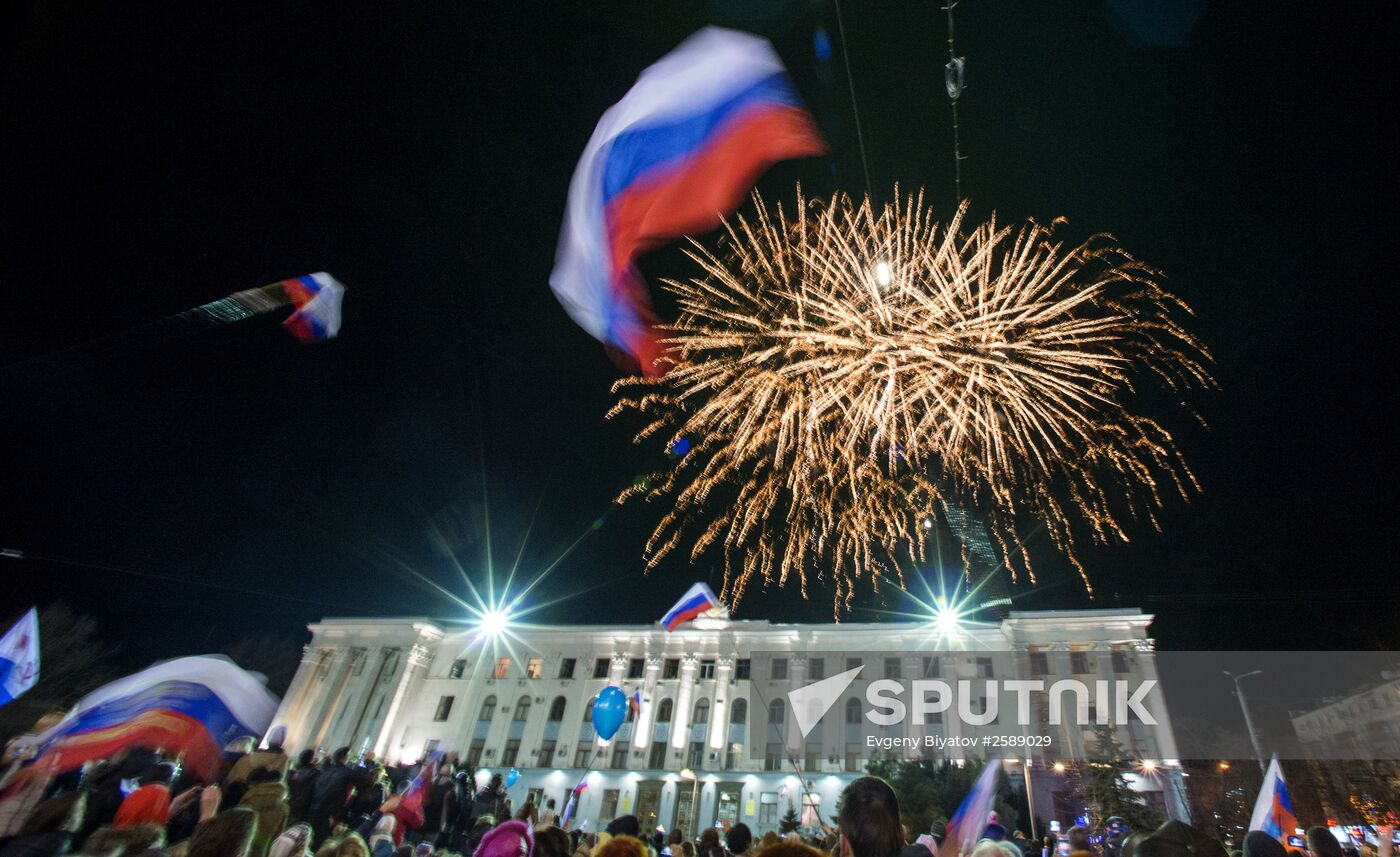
(403,687)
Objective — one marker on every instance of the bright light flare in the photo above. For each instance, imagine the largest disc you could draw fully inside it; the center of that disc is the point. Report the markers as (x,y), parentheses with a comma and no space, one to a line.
(494,623)
(1059,767)
(947,622)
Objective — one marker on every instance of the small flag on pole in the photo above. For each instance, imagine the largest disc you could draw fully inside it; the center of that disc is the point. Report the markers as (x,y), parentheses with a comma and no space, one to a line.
(572,806)
(697,599)
(635,702)
(1273,810)
(19,657)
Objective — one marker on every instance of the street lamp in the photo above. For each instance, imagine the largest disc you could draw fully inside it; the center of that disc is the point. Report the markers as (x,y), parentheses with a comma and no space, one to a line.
(1248,721)
(688,774)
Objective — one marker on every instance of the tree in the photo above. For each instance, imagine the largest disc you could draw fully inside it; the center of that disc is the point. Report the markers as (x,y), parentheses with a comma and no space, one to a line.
(789,822)
(275,657)
(72,661)
(927,790)
(1106,791)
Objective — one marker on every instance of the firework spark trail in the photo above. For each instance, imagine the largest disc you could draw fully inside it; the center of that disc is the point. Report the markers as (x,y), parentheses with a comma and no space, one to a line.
(844,372)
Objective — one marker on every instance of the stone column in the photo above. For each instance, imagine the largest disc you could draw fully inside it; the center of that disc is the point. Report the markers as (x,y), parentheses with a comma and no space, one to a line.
(797,677)
(680,716)
(292,710)
(719,712)
(339,675)
(418,660)
(641,733)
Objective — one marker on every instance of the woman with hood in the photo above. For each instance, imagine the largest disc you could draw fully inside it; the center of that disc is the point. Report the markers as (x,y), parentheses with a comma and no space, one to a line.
(273,757)
(268,798)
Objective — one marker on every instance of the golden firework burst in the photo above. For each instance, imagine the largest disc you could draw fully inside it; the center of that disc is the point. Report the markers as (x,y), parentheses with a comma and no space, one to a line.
(843,373)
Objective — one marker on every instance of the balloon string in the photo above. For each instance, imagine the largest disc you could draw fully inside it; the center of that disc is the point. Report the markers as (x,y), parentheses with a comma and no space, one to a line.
(855,110)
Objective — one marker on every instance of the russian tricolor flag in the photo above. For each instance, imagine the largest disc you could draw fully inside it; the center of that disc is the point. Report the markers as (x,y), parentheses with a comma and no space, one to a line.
(673,157)
(696,600)
(317,298)
(967,824)
(188,706)
(1273,810)
(635,702)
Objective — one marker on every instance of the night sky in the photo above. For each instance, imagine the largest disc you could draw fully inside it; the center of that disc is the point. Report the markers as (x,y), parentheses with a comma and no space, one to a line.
(214,483)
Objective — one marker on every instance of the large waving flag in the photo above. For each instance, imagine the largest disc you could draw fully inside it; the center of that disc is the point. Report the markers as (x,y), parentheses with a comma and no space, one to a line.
(188,706)
(19,657)
(697,600)
(1273,809)
(673,157)
(967,824)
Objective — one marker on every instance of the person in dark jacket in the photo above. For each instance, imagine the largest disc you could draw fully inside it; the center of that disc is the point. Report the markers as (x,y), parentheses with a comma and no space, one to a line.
(440,808)
(48,832)
(332,793)
(301,783)
(491,799)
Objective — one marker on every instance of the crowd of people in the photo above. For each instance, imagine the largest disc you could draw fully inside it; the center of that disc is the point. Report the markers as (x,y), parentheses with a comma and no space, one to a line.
(140,803)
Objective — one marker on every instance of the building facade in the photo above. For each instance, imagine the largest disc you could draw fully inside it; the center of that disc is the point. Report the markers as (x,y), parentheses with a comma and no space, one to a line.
(402,688)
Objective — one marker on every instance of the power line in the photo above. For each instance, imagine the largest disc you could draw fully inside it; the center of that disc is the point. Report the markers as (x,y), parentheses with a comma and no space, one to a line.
(850,82)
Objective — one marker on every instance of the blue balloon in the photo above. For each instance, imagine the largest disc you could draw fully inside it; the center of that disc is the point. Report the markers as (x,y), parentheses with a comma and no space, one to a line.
(609,710)
(511,776)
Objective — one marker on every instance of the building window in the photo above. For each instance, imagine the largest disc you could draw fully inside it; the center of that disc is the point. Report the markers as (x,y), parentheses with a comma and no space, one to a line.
(816,669)
(474,752)
(768,809)
(583,756)
(600,668)
(459,666)
(444,708)
(776,712)
(1040,663)
(609,809)
(738,712)
(619,756)
(892,668)
(777,670)
(588,712)
(663,711)
(512,751)
(696,757)
(1120,662)
(732,756)
(852,758)
(741,668)
(534,667)
(853,663)
(636,667)
(556,709)
(773,756)
(984,667)
(1079,663)
(931,667)
(656,759)
(707,669)
(813,761)
(546,756)
(671,668)
(853,711)
(566,667)
(702,715)
(522,710)
(933,718)
(502,669)
(488,708)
